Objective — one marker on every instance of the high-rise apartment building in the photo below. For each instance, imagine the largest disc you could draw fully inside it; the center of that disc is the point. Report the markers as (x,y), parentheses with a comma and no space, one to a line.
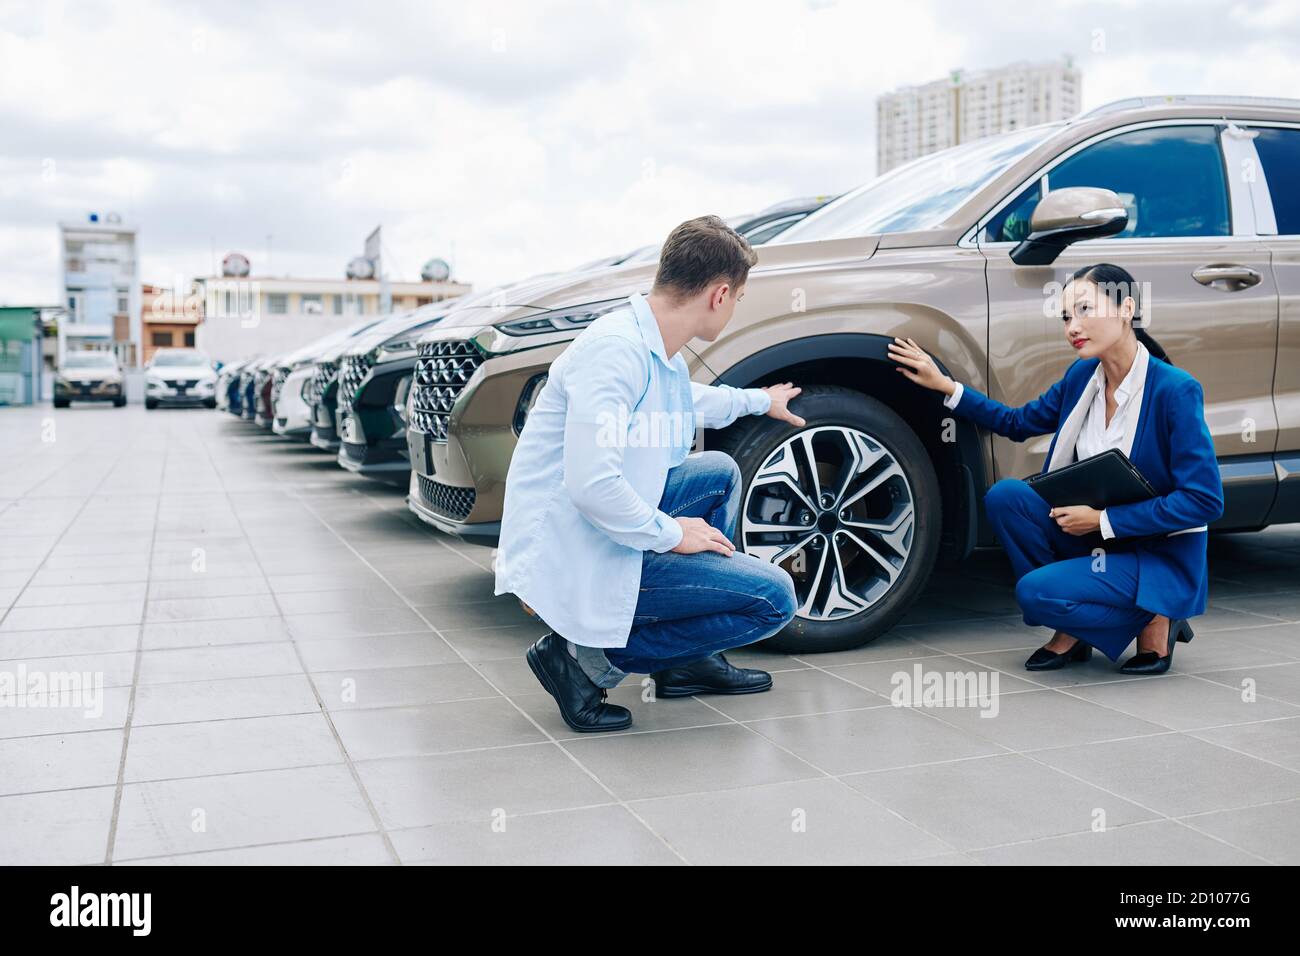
(916,120)
(101,287)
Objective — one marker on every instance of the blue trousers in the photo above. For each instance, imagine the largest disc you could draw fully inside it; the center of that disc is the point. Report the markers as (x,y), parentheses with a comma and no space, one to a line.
(1083,585)
(694,605)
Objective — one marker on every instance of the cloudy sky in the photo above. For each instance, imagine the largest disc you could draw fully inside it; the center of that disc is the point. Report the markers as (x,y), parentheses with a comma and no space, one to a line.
(510,137)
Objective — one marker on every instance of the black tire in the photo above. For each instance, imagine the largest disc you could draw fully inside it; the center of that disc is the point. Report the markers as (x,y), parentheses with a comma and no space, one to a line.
(755,442)
(210,403)
(61,403)
(119,403)
(151,403)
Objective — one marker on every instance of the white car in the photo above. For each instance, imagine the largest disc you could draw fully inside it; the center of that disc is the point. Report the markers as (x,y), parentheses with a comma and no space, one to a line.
(180,377)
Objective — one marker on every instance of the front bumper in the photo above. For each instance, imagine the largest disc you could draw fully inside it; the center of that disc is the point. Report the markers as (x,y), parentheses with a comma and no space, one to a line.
(370,432)
(292,414)
(200,393)
(459,486)
(324,435)
(77,391)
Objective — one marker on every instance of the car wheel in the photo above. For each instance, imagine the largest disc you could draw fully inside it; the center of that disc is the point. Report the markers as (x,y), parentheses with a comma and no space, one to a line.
(210,403)
(119,402)
(151,403)
(848,504)
(61,403)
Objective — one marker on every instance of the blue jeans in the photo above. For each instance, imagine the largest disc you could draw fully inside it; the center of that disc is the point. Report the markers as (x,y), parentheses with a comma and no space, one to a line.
(1059,583)
(694,605)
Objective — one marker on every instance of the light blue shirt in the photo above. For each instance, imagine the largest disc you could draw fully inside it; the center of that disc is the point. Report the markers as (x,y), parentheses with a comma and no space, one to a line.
(616,413)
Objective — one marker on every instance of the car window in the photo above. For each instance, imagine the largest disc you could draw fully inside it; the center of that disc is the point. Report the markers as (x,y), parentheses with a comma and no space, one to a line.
(1279,154)
(920,194)
(1169,178)
(772,229)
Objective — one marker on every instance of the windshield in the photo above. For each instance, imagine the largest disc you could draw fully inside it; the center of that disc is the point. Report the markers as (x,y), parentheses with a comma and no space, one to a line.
(920,194)
(179,357)
(90,360)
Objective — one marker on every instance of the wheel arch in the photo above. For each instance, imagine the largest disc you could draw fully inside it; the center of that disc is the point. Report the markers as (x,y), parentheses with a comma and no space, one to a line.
(837,359)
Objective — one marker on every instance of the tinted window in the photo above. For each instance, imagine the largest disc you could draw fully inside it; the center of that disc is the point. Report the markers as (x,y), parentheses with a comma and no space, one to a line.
(1170,179)
(1279,154)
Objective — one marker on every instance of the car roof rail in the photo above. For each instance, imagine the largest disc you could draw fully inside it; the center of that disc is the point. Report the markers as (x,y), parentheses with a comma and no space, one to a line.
(1193,99)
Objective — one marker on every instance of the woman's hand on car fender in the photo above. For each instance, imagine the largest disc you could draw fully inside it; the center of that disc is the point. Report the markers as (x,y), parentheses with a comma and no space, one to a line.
(917,365)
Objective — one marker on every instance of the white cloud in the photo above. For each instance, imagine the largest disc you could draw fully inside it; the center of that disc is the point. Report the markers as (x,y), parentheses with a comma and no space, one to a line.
(528,137)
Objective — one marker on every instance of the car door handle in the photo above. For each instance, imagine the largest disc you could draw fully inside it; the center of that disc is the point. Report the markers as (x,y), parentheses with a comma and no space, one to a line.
(1232,277)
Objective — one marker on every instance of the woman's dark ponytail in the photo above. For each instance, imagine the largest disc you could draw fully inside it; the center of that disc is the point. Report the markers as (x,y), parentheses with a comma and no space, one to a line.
(1117,283)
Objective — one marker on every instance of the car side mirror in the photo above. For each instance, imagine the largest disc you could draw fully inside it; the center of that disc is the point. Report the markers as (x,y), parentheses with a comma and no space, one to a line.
(1068,215)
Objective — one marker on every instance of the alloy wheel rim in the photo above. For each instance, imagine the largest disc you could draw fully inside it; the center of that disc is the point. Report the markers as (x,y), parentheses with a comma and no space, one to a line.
(832,506)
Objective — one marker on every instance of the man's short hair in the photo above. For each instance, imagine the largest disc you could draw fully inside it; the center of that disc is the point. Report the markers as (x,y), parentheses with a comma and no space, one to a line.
(699,253)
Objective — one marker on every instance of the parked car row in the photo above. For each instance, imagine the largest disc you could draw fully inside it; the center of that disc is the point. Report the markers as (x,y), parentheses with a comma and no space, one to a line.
(960,251)
(172,377)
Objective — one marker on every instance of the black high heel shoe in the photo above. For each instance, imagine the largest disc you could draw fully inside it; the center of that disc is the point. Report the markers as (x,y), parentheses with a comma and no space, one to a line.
(1149,662)
(1045,660)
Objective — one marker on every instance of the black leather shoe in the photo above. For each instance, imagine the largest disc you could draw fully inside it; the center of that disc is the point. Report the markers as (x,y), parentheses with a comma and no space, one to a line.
(582,703)
(1149,662)
(710,675)
(1045,660)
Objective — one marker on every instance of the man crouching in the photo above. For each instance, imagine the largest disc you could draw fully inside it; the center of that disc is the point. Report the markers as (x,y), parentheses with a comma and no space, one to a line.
(611,532)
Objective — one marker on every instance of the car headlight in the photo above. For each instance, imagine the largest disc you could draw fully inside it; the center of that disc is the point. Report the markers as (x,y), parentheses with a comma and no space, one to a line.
(527,399)
(153,381)
(575,318)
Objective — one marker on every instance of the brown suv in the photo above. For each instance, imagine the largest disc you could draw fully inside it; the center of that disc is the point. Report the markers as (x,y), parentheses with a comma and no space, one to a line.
(1198,197)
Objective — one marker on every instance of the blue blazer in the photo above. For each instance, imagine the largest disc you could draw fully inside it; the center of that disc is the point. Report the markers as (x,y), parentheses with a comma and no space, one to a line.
(1175,453)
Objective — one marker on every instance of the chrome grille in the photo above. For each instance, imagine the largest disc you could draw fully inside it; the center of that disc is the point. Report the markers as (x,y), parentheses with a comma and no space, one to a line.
(441,372)
(447,500)
(319,382)
(354,371)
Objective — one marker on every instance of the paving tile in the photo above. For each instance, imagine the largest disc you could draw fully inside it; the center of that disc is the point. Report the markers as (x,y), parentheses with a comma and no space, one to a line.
(994,800)
(96,614)
(683,761)
(162,818)
(804,691)
(479,785)
(1184,703)
(360,850)
(223,699)
(434,728)
(1176,774)
(1279,682)
(59,762)
(1044,718)
(806,822)
(561,838)
(64,828)
(376,650)
(1159,843)
(55,713)
(230,746)
(873,739)
(354,623)
(1271,831)
(399,686)
(1277,741)
(206,663)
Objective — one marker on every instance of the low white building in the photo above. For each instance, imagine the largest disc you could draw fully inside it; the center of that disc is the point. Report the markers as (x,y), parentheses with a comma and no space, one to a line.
(249,315)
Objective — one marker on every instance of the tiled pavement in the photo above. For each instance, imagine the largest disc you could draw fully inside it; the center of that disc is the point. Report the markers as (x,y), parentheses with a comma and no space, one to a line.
(295,670)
